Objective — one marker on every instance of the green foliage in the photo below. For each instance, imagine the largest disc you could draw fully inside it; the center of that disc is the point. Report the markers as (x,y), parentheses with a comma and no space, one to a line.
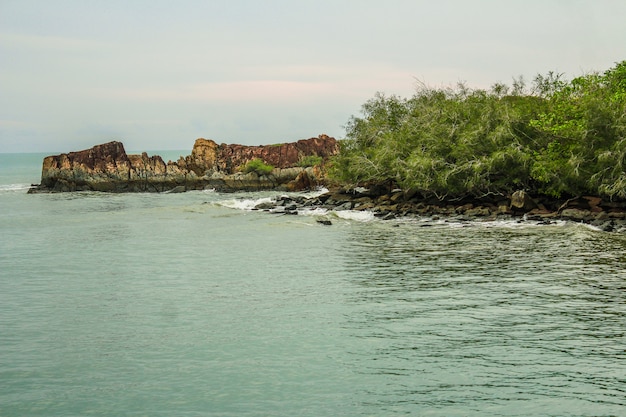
(582,131)
(562,138)
(258,166)
(310,161)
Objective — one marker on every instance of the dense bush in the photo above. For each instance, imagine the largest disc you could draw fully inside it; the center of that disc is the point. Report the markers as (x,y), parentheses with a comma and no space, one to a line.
(258,166)
(559,138)
(310,161)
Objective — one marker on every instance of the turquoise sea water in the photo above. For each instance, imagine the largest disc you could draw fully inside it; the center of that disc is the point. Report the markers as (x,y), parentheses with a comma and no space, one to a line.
(193,305)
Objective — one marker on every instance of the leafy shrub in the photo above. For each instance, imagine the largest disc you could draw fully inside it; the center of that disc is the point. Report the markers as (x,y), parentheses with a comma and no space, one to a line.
(310,161)
(257,165)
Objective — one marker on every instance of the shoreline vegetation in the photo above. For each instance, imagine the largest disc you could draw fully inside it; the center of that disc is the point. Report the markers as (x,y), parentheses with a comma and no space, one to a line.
(554,138)
(551,149)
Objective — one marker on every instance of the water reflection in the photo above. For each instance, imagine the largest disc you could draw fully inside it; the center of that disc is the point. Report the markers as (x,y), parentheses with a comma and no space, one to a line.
(488,319)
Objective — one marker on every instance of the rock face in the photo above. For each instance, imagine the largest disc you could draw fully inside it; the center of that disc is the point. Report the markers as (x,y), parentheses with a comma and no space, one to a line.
(107,167)
(229,159)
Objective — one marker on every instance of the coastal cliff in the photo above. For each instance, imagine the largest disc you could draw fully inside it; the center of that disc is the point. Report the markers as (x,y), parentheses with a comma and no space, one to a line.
(107,167)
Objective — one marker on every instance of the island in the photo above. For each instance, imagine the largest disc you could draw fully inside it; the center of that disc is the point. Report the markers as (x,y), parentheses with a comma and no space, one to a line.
(223,167)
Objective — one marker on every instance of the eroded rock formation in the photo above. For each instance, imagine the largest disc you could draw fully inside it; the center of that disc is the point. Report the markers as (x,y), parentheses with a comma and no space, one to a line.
(107,167)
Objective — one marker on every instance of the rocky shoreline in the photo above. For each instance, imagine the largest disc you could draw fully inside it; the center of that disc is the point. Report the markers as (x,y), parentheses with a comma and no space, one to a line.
(109,168)
(604,215)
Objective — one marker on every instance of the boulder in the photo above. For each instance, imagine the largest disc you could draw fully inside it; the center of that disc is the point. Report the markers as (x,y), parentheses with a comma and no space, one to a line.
(520,200)
(303,181)
(575,214)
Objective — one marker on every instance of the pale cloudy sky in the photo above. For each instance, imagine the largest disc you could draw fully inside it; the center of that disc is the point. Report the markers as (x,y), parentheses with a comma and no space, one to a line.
(158,74)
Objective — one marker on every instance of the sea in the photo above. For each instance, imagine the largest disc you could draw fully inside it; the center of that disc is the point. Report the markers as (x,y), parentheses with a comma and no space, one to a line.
(194,304)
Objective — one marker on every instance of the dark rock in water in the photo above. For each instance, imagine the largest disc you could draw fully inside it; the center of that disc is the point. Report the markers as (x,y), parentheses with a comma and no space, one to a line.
(345,206)
(575,214)
(107,167)
(325,222)
(177,189)
(606,226)
(268,205)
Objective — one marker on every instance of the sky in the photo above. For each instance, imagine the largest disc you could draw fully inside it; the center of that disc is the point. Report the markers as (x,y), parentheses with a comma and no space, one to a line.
(156,74)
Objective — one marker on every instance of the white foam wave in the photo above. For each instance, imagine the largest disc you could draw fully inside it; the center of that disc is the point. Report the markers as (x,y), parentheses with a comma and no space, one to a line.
(14,187)
(359,216)
(484,223)
(318,211)
(315,193)
(246,204)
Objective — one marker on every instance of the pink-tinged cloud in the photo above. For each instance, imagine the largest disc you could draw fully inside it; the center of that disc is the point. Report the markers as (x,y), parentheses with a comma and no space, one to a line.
(360,85)
(235,91)
(271,90)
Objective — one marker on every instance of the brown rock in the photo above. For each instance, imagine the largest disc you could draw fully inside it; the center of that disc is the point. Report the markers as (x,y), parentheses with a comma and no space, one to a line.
(203,157)
(617,215)
(303,181)
(543,213)
(522,201)
(92,169)
(478,212)
(503,209)
(575,214)
(397,197)
(231,158)
(464,208)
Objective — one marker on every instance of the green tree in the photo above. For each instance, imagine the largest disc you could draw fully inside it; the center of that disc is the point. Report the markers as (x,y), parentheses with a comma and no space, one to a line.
(558,138)
(582,133)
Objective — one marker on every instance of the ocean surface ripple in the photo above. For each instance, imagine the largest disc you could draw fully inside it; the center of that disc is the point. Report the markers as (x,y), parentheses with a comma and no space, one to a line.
(194,305)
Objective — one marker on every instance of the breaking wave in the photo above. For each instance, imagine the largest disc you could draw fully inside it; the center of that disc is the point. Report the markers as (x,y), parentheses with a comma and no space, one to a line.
(244,203)
(359,216)
(14,187)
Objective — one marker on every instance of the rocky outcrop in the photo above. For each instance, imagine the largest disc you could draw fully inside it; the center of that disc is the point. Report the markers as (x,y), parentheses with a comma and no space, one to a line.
(208,156)
(107,167)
